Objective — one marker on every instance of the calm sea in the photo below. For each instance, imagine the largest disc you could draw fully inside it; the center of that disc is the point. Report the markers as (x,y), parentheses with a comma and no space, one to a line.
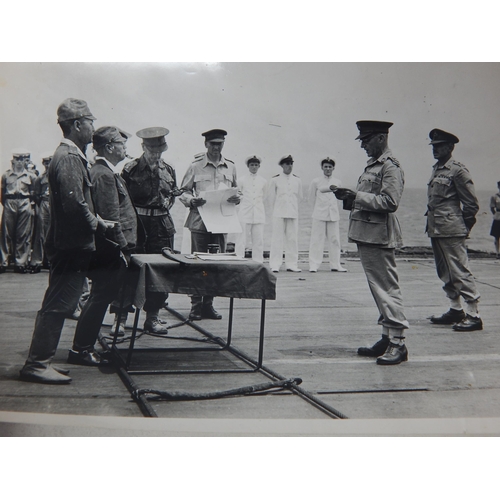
(410,214)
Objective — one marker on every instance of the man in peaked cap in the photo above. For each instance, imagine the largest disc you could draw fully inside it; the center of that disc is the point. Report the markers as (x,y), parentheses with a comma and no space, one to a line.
(207,172)
(252,212)
(373,226)
(284,194)
(451,213)
(325,219)
(42,217)
(69,245)
(152,186)
(17,187)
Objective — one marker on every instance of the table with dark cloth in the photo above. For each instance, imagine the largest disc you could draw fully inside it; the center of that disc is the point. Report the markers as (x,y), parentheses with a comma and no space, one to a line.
(236,279)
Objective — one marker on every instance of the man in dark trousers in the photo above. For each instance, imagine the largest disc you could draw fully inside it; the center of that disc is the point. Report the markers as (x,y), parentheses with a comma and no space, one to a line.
(373,226)
(70,242)
(451,214)
(208,172)
(110,260)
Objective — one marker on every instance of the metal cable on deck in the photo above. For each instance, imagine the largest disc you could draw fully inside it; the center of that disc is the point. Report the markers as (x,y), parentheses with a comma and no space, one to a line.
(240,391)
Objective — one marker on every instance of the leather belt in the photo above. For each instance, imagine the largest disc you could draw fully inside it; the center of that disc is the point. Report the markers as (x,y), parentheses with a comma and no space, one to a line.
(16,196)
(152,212)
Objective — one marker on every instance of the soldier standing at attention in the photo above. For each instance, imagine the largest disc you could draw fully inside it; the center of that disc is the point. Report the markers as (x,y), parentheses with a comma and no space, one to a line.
(207,172)
(451,213)
(152,186)
(42,217)
(18,190)
(284,193)
(252,211)
(373,226)
(325,219)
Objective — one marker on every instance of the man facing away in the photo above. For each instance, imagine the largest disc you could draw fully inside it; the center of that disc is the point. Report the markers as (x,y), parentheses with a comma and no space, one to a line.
(70,241)
(451,214)
(209,171)
(373,226)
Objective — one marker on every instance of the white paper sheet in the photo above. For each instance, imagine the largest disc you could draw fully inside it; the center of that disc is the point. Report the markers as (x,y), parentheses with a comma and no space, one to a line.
(217,213)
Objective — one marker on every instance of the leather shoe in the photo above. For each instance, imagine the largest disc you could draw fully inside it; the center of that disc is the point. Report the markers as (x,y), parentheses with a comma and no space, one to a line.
(46,375)
(20,270)
(449,317)
(294,270)
(394,355)
(195,314)
(469,324)
(376,350)
(35,269)
(60,369)
(208,312)
(86,358)
(156,325)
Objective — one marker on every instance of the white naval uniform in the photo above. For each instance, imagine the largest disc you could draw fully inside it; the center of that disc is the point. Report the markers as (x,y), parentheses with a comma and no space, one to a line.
(252,215)
(284,193)
(325,222)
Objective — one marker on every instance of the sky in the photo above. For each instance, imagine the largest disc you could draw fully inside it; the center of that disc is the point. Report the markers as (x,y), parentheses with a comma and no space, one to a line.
(308,110)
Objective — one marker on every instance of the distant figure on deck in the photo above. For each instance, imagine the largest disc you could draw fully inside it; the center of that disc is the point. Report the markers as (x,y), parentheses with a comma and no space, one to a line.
(451,214)
(495,227)
(284,194)
(252,212)
(325,219)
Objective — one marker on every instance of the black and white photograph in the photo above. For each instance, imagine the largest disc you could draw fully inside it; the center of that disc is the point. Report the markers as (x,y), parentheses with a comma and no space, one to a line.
(345,265)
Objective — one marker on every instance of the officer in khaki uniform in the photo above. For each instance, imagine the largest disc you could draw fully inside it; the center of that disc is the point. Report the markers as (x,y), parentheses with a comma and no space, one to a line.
(17,186)
(152,186)
(208,172)
(451,214)
(42,217)
(373,226)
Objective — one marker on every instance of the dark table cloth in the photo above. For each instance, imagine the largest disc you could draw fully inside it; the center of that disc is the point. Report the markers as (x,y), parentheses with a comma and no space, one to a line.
(238,279)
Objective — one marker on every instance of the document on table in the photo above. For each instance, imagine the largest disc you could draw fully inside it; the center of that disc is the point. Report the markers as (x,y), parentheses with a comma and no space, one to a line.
(216,256)
(217,213)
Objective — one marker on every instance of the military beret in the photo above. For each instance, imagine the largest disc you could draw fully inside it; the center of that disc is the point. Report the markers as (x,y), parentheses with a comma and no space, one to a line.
(215,135)
(437,136)
(21,153)
(285,159)
(368,128)
(71,109)
(328,160)
(154,138)
(106,135)
(253,159)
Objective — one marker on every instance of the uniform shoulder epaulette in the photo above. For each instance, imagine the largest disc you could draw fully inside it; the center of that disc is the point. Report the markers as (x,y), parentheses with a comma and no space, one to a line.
(458,164)
(130,165)
(296,176)
(394,160)
(277,175)
(199,155)
(230,161)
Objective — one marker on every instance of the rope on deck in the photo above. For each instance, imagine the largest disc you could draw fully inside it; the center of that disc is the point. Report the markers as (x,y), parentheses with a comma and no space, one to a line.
(279,385)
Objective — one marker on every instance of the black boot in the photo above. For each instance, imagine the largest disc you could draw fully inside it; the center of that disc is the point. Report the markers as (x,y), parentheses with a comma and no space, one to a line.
(377,349)
(196,305)
(208,311)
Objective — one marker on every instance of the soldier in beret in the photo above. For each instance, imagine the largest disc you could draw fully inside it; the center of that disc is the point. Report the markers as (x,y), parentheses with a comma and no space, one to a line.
(70,243)
(207,172)
(42,217)
(18,190)
(451,214)
(252,212)
(373,226)
(284,194)
(152,186)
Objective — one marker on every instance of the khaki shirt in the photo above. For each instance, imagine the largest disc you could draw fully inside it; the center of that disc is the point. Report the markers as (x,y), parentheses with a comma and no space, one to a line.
(203,175)
(379,192)
(451,199)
